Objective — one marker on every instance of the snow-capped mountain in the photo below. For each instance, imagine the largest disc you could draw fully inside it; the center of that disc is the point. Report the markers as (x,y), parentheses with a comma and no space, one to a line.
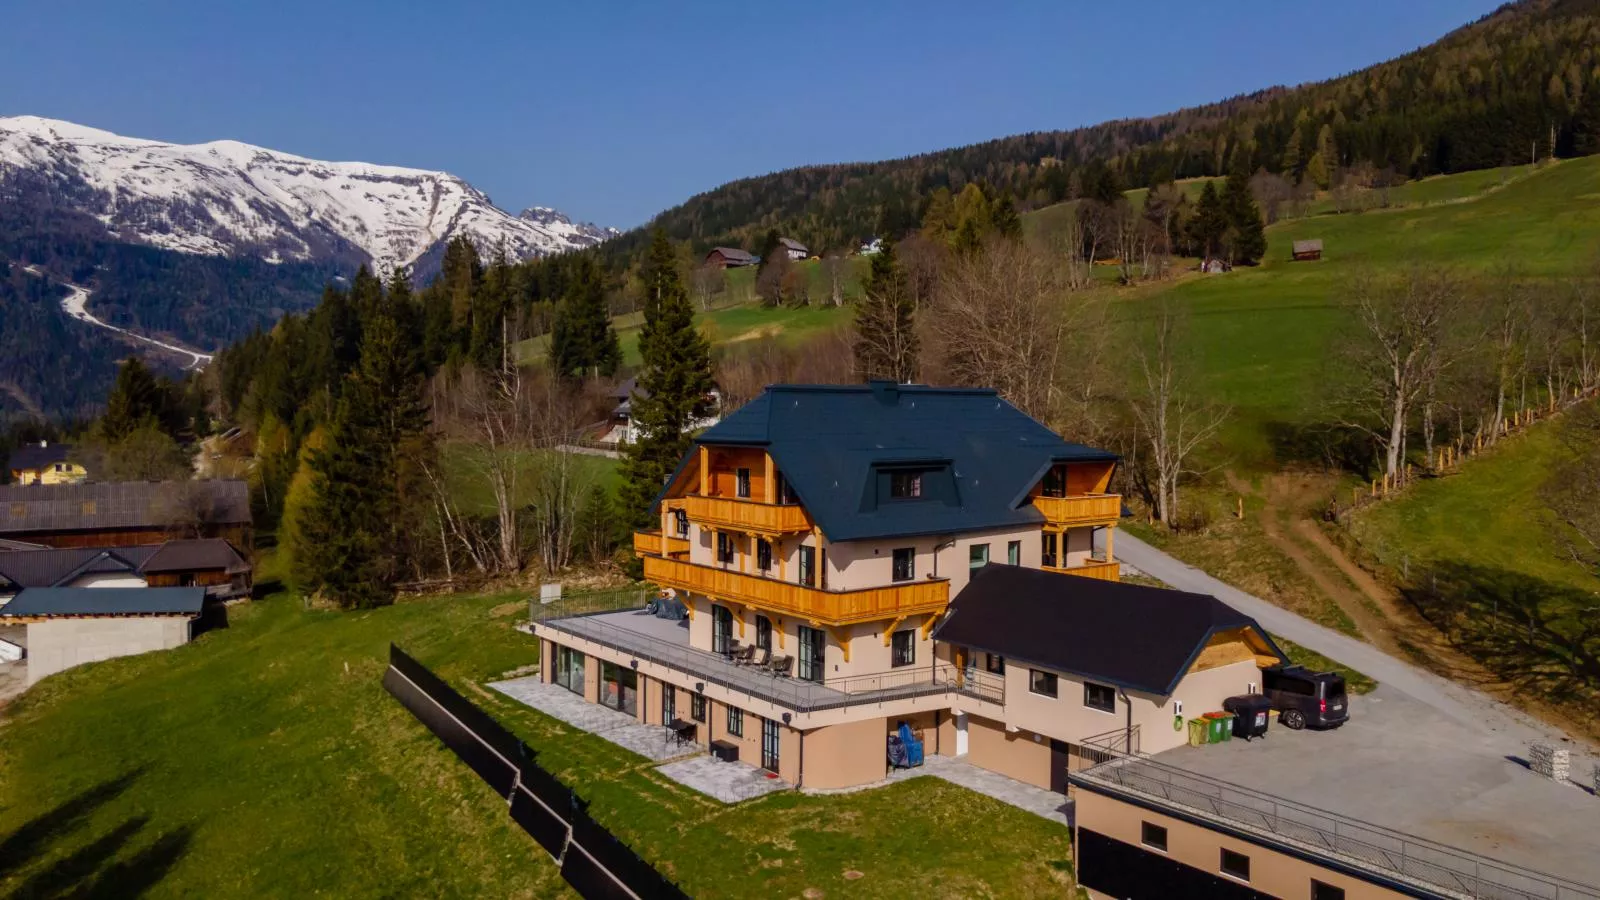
(225,198)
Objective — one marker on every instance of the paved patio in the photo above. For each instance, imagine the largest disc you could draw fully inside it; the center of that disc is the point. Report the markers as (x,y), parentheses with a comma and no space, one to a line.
(730,782)
(650,741)
(1048,804)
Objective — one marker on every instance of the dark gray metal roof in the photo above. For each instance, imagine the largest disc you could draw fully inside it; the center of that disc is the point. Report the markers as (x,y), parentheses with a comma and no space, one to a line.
(792,244)
(195,556)
(38,456)
(55,566)
(92,506)
(54,601)
(733,253)
(1126,635)
(831,442)
(1308,246)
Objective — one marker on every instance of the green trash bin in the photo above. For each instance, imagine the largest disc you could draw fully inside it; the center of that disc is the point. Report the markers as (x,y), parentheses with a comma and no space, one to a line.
(1226,721)
(1199,732)
(1215,727)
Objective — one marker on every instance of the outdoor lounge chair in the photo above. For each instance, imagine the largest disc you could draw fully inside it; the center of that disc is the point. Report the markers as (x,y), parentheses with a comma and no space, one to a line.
(781,665)
(761,659)
(743,655)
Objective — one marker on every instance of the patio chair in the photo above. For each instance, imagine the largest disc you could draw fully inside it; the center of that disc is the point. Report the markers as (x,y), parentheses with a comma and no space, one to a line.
(743,655)
(782,665)
(761,659)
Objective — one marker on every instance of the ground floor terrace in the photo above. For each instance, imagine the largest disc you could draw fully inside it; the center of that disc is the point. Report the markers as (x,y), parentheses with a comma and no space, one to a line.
(824,734)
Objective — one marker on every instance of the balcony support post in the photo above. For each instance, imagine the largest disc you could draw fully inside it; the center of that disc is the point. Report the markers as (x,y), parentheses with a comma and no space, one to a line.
(841,633)
(738,610)
(1111,534)
(770,492)
(888,630)
(705,471)
(927,627)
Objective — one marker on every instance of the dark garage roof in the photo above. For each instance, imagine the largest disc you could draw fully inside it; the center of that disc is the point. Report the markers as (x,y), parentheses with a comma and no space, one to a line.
(194,556)
(828,441)
(172,601)
(38,456)
(50,567)
(1127,635)
(93,506)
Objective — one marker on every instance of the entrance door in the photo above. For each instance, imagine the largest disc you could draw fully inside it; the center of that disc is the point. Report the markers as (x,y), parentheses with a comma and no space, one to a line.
(1060,759)
(721,630)
(769,745)
(619,688)
(961,734)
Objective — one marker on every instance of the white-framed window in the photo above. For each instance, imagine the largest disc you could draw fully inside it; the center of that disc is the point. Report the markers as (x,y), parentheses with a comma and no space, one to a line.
(1045,684)
(1099,696)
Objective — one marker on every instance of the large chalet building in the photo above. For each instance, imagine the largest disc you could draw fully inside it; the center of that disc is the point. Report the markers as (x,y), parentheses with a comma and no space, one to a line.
(850,559)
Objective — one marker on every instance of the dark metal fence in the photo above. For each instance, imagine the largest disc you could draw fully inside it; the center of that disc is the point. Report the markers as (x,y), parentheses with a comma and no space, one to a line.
(592,860)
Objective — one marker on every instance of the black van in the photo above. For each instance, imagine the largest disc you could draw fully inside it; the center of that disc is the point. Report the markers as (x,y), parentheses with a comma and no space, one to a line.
(1303,697)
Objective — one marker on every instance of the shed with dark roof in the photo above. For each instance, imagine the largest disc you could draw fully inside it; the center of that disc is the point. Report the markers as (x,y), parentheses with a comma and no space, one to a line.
(71,626)
(729,258)
(123,513)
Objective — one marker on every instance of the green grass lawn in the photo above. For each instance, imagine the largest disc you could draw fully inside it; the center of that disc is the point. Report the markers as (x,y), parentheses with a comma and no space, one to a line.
(475,495)
(266,760)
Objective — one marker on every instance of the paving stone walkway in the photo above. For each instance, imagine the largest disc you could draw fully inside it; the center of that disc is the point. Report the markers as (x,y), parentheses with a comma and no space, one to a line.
(650,741)
(1040,802)
(729,782)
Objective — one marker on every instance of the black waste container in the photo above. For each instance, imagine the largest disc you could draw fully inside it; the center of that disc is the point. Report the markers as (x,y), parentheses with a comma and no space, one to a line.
(1250,714)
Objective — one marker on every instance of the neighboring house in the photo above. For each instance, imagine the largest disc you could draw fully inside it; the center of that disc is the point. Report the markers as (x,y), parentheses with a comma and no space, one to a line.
(69,626)
(832,525)
(729,258)
(211,563)
(1079,659)
(45,463)
(1307,250)
(126,513)
(620,428)
(794,248)
(871,247)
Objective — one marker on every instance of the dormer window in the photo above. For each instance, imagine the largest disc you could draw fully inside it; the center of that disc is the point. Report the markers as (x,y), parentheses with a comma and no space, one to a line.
(1055,482)
(905,485)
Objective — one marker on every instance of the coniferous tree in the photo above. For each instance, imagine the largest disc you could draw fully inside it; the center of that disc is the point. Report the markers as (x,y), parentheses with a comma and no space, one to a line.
(353,516)
(1007,224)
(582,341)
(886,339)
(1210,222)
(137,398)
(673,384)
(1248,239)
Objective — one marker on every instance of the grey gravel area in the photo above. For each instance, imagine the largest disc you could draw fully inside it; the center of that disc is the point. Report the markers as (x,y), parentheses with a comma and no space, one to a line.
(650,741)
(730,782)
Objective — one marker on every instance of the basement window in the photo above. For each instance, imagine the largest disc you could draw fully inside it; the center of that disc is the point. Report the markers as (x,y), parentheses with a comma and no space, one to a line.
(1320,891)
(1235,864)
(1153,836)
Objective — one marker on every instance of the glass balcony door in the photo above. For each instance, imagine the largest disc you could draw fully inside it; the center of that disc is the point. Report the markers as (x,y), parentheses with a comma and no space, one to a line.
(813,647)
(721,630)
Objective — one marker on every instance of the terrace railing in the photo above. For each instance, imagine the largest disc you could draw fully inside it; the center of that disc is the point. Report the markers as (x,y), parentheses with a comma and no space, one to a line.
(1444,870)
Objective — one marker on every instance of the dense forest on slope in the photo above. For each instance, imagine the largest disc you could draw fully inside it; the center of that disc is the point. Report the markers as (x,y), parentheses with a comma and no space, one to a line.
(1522,81)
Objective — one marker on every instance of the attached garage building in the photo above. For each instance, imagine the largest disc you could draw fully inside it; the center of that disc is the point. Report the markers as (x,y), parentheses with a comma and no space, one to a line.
(71,626)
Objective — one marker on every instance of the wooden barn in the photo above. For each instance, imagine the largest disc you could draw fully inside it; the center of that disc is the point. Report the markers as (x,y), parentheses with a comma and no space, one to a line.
(1306,251)
(126,513)
(729,258)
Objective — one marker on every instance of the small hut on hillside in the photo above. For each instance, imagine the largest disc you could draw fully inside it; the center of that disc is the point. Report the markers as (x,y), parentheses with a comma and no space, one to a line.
(1305,251)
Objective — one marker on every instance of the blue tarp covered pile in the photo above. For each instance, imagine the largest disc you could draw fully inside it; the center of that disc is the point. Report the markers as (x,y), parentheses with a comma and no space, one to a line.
(905,751)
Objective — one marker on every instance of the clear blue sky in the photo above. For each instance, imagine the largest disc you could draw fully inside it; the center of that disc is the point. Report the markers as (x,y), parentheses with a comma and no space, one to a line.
(613,111)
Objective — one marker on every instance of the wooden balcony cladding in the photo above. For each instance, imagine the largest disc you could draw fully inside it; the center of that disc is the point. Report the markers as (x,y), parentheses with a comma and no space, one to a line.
(1083,509)
(745,515)
(1105,571)
(829,607)
(651,543)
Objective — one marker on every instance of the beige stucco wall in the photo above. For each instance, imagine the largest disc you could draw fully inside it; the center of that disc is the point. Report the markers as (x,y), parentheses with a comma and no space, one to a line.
(60,644)
(108,580)
(846,755)
(1271,872)
(1023,755)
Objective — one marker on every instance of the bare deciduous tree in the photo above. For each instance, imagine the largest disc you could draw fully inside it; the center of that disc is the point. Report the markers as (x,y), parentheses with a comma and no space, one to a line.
(707,282)
(835,269)
(1173,421)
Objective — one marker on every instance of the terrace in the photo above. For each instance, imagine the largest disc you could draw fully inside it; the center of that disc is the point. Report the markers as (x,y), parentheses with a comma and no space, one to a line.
(666,643)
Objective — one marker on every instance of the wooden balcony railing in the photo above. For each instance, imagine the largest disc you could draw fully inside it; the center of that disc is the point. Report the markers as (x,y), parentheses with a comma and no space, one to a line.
(1094,568)
(1083,509)
(652,543)
(830,607)
(745,515)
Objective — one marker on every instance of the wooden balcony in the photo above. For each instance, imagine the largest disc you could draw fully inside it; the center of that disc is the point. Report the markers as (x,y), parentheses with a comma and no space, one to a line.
(745,515)
(651,543)
(829,607)
(1081,509)
(1094,568)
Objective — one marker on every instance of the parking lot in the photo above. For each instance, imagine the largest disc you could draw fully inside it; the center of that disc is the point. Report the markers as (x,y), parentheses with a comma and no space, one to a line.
(1400,764)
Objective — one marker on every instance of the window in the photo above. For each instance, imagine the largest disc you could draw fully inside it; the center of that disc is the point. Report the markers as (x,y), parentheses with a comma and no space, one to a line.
(1047,550)
(812,645)
(724,548)
(1042,683)
(697,707)
(721,630)
(1014,553)
(735,721)
(770,745)
(808,566)
(680,522)
(741,483)
(994,662)
(763,633)
(88,507)
(1235,864)
(669,704)
(763,554)
(905,564)
(977,556)
(785,493)
(903,648)
(905,485)
(569,669)
(1099,696)
(1320,891)
(1153,836)
(1055,482)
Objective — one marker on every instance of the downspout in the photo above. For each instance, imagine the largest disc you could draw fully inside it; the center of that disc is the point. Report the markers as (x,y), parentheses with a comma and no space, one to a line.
(1127,733)
(800,780)
(936,548)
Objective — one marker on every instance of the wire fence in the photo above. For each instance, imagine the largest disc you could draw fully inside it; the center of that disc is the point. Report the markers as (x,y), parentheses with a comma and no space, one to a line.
(1455,873)
(592,860)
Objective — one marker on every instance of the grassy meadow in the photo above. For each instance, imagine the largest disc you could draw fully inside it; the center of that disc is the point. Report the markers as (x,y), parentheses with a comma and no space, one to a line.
(267,760)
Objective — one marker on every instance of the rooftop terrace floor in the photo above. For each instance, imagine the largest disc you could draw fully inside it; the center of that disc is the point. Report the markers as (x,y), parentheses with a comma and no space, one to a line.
(1399,764)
